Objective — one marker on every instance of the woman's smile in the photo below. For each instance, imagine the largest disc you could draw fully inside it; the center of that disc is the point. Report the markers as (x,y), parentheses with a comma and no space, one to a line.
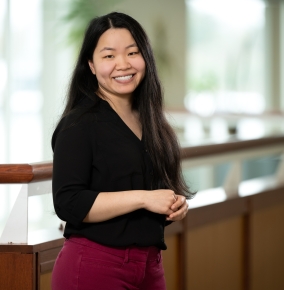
(124,78)
(117,63)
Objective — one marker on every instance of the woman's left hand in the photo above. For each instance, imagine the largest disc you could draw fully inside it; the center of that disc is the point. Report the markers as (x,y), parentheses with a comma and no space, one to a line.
(180,208)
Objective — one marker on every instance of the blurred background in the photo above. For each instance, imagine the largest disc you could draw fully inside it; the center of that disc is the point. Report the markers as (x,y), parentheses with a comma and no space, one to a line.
(220,62)
(215,57)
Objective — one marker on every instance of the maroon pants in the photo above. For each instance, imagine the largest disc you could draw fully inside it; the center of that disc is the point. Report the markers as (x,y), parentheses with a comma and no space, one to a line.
(86,265)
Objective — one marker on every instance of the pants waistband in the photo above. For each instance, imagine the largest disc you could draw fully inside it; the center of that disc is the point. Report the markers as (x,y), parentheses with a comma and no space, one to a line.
(134,253)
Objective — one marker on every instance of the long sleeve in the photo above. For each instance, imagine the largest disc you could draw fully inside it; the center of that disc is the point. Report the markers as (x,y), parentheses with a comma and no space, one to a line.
(72,167)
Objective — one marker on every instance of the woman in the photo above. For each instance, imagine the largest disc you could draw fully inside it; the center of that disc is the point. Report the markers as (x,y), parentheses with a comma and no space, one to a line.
(117,179)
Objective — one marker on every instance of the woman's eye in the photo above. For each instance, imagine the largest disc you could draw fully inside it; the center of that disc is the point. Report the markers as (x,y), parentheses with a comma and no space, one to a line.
(109,56)
(133,52)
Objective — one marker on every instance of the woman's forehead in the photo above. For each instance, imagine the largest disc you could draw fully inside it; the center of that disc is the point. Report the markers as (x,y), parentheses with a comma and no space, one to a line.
(115,37)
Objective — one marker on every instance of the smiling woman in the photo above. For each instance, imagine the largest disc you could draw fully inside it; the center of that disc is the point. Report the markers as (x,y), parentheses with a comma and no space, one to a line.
(117,178)
(117,64)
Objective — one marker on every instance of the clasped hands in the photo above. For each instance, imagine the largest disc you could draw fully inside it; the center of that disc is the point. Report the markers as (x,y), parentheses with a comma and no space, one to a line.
(179,208)
(165,201)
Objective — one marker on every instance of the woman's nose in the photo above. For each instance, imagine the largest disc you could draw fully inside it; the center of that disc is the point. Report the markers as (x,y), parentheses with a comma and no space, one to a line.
(122,63)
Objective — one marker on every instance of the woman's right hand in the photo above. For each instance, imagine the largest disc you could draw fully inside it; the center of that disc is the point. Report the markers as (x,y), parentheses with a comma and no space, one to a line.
(112,204)
(159,201)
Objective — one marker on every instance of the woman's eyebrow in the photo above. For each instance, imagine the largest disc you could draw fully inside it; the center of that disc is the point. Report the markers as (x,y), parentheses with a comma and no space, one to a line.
(107,48)
(111,48)
(132,45)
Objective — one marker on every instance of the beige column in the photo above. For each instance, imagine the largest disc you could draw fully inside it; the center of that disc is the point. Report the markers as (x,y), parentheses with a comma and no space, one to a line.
(282,55)
(273,55)
(165,24)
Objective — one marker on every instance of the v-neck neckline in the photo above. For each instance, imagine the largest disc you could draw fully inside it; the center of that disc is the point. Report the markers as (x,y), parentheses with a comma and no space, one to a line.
(124,124)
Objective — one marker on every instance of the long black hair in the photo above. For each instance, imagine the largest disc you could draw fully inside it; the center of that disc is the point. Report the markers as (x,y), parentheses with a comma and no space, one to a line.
(158,136)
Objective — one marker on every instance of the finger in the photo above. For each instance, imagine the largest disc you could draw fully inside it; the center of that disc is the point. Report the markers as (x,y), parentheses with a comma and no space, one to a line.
(179,214)
(176,218)
(179,202)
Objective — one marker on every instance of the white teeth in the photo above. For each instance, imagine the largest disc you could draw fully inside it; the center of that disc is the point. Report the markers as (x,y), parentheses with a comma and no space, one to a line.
(124,78)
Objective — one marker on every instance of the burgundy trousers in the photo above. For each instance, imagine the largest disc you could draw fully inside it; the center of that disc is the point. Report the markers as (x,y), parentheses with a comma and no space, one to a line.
(86,265)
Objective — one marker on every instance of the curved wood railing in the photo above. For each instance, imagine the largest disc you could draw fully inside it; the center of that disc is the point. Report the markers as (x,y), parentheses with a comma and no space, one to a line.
(25,173)
(230,145)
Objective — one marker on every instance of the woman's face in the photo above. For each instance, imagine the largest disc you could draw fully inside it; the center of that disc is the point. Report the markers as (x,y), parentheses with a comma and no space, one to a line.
(117,63)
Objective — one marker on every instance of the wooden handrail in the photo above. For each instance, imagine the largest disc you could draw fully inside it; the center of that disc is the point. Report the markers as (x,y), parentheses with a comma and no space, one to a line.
(25,173)
(230,146)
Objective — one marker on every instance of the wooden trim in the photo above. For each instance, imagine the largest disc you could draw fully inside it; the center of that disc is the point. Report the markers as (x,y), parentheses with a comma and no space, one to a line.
(182,256)
(270,197)
(15,173)
(178,229)
(46,259)
(25,173)
(17,271)
(174,228)
(47,266)
(42,171)
(35,276)
(247,250)
(260,193)
(229,146)
(37,241)
(199,216)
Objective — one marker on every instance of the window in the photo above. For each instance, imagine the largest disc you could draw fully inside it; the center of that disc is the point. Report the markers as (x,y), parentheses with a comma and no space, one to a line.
(20,81)
(225,56)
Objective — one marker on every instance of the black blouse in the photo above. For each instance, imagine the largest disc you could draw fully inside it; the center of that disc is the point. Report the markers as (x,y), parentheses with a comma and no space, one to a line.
(99,153)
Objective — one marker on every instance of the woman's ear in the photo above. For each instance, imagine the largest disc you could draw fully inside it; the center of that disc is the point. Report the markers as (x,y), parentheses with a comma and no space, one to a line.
(91,65)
